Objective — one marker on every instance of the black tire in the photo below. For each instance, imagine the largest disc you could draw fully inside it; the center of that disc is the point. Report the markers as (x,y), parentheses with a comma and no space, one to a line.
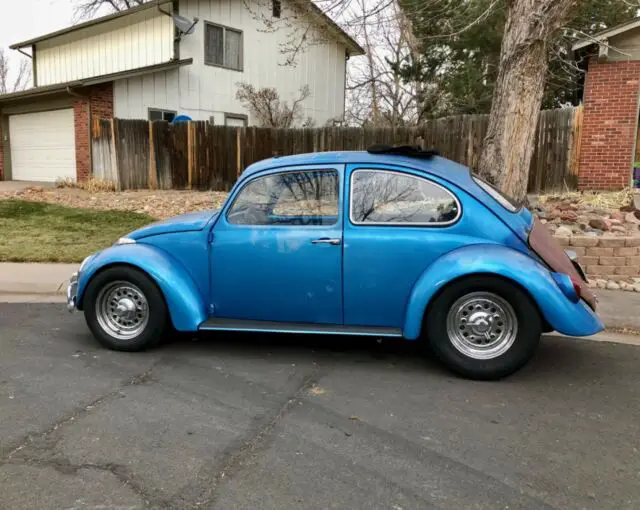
(527,337)
(158,318)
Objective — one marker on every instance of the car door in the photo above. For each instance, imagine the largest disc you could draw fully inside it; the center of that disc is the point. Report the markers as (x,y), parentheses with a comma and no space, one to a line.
(398,222)
(276,251)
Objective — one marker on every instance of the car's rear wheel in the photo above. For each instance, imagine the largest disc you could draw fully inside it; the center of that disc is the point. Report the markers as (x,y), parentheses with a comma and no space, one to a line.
(484,327)
(125,310)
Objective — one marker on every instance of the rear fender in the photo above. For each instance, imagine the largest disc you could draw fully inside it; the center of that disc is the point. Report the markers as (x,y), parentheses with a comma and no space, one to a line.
(186,306)
(564,316)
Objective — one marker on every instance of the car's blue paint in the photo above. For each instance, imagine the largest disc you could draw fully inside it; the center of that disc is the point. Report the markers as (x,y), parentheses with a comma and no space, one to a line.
(183,223)
(382,263)
(185,302)
(565,284)
(275,273)
(191,250)
(564,316)
(379,276)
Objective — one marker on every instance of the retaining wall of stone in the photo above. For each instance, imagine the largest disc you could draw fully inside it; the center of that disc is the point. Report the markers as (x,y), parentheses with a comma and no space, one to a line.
(610,258)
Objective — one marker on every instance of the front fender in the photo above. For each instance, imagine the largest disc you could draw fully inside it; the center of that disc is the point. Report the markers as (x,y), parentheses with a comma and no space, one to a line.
(185,303)
(564,316)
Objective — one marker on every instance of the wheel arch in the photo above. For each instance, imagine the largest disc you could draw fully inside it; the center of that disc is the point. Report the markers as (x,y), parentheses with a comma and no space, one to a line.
(495,276)
(184,302)
(517,268)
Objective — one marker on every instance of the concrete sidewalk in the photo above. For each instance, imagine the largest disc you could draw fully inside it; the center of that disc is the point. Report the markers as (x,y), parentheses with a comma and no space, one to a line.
(47,279)
(48,282)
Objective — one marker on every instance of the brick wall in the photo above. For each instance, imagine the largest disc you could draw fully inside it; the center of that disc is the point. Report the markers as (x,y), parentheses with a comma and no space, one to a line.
(98,101)
(609,125)
(610,258)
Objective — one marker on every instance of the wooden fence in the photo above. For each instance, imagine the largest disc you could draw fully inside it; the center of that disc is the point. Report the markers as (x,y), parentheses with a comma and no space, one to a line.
(139,154)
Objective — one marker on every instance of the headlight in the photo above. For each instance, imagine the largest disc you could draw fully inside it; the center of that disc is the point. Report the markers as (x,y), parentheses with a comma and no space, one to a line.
(124,240)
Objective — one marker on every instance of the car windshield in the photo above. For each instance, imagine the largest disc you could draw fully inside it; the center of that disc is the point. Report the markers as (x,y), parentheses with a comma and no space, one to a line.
(505,201)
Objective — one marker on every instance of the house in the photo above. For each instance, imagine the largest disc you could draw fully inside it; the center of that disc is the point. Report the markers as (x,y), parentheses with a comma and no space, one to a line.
(610,148)
(162,59)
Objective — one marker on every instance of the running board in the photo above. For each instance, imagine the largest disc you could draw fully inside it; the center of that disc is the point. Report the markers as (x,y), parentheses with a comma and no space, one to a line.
(217,324)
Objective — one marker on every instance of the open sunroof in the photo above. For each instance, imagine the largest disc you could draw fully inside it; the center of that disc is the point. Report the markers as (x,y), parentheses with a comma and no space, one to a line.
(403,150)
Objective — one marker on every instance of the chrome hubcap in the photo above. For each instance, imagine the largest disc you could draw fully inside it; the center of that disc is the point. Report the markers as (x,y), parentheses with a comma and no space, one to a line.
(122,310)
(482,325)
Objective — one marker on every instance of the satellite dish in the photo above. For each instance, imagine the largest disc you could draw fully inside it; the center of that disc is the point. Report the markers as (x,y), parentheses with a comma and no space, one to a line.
(184,25)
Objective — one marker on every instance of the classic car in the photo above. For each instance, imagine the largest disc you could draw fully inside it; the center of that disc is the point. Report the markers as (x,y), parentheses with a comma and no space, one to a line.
(391,242)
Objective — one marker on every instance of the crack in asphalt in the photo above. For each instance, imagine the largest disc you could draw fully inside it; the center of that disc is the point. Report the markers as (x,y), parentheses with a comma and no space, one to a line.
(136,380)
(122,473)
(245,449)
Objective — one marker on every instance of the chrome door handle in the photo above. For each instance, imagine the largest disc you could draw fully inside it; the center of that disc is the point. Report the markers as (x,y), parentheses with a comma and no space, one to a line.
(326,240)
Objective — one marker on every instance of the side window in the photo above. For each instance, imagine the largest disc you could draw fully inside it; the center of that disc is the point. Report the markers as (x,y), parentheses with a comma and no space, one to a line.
(223,46)
(291,198)
(385,197)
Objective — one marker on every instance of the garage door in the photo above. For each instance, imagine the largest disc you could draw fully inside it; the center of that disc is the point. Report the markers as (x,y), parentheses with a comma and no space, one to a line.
(43,146)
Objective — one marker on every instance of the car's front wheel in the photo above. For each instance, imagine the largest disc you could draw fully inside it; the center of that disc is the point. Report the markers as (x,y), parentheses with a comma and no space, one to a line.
(484,327)
(125,310)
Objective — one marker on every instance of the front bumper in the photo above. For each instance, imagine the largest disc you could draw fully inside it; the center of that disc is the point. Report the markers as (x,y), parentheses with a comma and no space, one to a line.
(72,292)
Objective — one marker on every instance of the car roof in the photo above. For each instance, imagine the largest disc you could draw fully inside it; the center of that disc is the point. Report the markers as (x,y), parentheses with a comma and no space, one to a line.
(435,165)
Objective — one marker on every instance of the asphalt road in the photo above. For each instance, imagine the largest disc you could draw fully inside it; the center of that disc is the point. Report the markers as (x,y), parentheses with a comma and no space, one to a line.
(278,422)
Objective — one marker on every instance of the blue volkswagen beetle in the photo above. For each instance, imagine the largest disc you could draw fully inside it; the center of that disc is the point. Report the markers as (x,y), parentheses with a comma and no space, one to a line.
(392,242)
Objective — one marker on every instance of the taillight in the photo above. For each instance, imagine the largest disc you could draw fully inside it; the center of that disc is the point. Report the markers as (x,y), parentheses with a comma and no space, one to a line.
(569,286)
(577,287)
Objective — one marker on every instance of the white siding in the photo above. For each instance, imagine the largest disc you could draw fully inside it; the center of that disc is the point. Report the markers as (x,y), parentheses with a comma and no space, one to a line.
(141,39)
(203,91)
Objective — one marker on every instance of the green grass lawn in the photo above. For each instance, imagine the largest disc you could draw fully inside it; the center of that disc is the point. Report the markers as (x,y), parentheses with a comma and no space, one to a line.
(40,232)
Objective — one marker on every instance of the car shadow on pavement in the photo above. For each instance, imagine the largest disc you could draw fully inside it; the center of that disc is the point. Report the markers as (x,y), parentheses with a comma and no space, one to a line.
(561,357)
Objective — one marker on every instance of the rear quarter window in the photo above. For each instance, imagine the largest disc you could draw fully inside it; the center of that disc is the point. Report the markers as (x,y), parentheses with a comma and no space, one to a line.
(508,203)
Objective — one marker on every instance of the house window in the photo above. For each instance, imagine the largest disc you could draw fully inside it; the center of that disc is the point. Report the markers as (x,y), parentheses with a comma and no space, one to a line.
(223,47)
(158,114)
(276,8)
(235,120)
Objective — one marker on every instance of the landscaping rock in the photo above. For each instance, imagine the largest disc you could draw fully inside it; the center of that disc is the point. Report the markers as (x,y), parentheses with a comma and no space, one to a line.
(598,223)
(612,286)
(630,217)
(600,283)
(618,228)
(619,217)
(570,216)
(563,231)
(614,221)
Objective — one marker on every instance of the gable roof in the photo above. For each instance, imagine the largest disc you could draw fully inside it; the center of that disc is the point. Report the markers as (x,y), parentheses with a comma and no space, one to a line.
(606,34)
(352,46)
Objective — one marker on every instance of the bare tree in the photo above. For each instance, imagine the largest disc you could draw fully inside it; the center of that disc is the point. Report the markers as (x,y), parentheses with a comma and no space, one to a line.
(271,111)
(524,56)
(20,78)
(376,93)
(86,9)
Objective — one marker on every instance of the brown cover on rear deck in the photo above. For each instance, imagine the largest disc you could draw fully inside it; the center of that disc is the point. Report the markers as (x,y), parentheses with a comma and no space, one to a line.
(549,249)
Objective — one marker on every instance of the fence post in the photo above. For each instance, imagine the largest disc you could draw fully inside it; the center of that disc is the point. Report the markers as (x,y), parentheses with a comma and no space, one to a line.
(114,158)
(153,178)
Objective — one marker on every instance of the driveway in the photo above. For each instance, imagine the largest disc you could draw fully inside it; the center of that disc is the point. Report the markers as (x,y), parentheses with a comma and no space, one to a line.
(279,422)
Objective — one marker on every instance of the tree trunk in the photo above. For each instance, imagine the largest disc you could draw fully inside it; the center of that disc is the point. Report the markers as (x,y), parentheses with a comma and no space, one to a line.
(517,97)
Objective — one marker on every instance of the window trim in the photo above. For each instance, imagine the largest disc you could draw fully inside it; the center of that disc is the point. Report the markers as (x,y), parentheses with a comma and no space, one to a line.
(163,111)
(401,223)
(237,116)
(337,224)
(224,47)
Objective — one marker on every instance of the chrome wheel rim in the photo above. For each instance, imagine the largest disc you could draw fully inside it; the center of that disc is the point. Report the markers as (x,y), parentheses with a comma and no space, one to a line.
(122,310)
(482,325)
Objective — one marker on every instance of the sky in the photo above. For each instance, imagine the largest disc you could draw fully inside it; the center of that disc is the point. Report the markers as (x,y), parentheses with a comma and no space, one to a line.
(25,19)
